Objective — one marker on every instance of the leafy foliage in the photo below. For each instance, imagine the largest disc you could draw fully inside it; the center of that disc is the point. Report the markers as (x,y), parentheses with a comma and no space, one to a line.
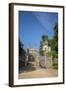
(43,38)
(55,66)
(54,42)
(21,50)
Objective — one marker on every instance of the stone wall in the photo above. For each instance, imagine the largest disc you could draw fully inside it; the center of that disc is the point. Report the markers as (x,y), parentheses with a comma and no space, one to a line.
(45,62)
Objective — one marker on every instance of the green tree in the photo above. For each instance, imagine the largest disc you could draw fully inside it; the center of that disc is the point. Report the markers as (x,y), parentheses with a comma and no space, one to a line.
(43,38)
(56,37)
(21,49)
(54,42)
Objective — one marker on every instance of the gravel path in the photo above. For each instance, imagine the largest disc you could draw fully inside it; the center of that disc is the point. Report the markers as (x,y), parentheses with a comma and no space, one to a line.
(33,70)
(38,73)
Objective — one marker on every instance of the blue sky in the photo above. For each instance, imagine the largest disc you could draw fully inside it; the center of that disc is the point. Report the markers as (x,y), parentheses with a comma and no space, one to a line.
(32,25)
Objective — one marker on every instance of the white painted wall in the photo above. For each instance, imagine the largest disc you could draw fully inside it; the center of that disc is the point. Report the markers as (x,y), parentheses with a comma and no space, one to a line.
(4,45)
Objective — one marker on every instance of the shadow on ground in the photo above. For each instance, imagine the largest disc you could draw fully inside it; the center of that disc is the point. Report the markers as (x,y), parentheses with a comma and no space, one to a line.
(29,67)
